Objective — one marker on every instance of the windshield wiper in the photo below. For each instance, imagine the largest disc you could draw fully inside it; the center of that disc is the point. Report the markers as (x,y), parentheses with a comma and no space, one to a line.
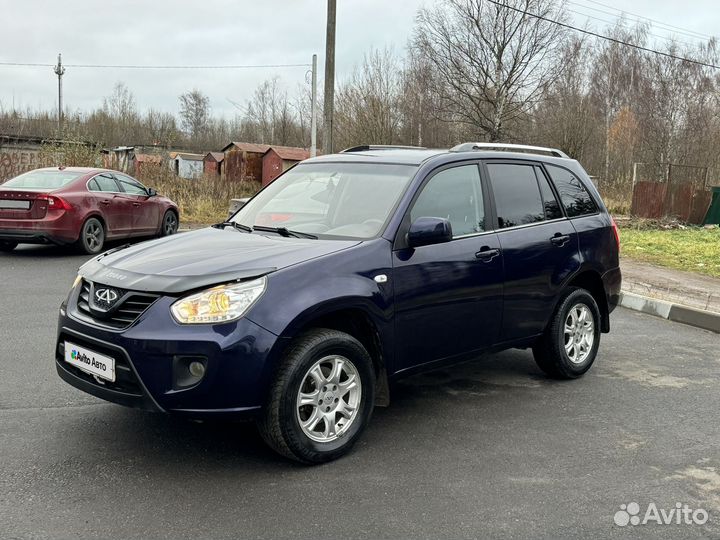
(234,225)
(284,231)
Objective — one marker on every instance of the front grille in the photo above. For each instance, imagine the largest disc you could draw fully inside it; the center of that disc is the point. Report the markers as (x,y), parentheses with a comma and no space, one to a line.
(130,306)
(125,379)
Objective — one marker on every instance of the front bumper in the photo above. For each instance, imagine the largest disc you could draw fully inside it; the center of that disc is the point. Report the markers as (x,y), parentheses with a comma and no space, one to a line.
(238,359)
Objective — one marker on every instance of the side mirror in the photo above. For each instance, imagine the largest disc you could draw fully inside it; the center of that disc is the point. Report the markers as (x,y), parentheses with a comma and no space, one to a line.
(425,231)
(151,192)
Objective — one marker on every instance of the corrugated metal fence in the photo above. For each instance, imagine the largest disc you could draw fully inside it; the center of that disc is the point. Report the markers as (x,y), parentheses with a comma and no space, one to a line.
(668,190)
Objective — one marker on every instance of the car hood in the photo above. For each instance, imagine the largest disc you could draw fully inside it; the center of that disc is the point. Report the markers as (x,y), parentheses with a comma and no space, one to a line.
(202,258)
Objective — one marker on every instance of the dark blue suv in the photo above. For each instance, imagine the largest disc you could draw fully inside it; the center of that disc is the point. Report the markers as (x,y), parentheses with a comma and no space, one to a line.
(346,273)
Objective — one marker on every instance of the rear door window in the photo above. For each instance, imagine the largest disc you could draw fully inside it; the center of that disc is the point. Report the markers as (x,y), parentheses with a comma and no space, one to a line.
(517,195)
(575,198)
(550,202)
(104,182)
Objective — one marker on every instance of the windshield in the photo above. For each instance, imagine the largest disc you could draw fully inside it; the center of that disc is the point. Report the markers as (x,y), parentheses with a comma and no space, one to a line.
(347,200)
(42,179)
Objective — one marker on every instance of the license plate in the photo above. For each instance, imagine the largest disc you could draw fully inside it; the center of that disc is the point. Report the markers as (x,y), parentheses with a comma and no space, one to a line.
(14,205)
(89,361)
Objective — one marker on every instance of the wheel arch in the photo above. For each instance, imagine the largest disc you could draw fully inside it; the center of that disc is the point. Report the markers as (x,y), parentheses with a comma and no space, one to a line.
(591,281)
(353,320)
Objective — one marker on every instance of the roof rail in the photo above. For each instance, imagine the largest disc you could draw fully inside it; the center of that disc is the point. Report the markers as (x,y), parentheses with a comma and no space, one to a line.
(366,147)
(468,147)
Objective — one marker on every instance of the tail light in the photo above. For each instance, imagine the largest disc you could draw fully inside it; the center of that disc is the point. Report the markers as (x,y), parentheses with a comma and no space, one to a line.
(617,233)
(54,202)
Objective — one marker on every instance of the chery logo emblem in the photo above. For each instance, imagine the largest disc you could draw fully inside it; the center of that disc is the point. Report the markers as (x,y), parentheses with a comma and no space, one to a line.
(106,295)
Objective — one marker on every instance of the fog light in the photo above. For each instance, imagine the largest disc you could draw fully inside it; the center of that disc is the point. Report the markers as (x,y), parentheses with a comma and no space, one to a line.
(188,371)
(197,369)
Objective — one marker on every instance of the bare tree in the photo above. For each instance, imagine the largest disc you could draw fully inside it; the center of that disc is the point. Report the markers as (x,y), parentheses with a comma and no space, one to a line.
(194,112)
(564,116)
(367,105)
(493,59)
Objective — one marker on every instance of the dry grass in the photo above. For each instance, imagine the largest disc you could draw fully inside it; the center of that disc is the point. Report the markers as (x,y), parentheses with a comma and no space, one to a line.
(201,201)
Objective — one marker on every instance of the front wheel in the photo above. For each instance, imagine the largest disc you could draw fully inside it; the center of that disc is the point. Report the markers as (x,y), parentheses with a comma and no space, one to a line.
(7,247)
(321,399)
(92,237)
(570,343)
(169,223)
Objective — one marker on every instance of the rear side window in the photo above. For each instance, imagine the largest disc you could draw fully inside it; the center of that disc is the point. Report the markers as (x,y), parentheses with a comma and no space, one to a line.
(517,196)
(103,182)
(453,194)
(574,196)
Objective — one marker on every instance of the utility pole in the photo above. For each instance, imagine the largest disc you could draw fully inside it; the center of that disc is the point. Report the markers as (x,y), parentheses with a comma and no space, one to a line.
(60,71)
(313,109)
(329,106)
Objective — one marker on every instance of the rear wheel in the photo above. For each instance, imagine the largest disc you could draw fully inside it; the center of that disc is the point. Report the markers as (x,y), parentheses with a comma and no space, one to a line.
(570,343)
(169,223)
(7,247)
(92,237)
(321,399)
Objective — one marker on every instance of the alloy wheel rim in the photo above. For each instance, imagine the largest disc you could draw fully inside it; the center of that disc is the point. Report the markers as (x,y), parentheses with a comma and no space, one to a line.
(579,333)
(93,234)
(170,224)
(328,400)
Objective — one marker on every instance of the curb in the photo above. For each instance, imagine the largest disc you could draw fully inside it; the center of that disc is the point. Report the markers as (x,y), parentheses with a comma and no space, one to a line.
(706,320)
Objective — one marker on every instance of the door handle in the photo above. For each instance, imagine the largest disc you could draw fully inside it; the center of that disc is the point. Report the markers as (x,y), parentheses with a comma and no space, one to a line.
(105,202)
(560,239)
(486,254)
(136,204)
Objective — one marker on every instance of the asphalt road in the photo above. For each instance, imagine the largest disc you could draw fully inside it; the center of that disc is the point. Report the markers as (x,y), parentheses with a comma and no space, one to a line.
(487,449)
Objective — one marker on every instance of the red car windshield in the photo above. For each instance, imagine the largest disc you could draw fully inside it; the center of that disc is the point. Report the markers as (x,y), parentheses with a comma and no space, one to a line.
(42,179)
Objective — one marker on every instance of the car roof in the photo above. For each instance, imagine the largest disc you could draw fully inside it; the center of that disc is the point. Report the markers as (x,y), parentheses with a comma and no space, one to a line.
(418,156)
(79,170)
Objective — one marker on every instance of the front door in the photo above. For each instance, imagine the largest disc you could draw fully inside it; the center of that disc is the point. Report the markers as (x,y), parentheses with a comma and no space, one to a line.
(448,297)
(145,212)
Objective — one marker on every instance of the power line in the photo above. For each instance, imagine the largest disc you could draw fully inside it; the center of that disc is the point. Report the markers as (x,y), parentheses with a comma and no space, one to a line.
(678,28)
(594,17)
(108,66)
(606,38)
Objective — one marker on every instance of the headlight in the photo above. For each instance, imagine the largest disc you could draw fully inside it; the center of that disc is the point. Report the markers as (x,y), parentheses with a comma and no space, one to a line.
(78,279)
(220,304)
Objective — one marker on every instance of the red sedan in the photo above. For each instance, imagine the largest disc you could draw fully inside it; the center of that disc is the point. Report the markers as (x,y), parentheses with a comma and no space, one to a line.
(81,206)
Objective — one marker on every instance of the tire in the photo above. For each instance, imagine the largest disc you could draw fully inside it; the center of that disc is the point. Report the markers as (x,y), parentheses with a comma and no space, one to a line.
(169,224)
(92,237)
(7,247)
(567,352)
(280,423)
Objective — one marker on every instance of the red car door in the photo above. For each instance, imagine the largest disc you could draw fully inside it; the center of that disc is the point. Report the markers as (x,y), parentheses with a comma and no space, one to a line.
(146,213)
(116,209)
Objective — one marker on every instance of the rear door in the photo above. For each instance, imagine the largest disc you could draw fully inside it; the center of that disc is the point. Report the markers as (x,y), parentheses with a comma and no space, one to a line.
(146,218)
(115,209)
(448,297)
(539,245)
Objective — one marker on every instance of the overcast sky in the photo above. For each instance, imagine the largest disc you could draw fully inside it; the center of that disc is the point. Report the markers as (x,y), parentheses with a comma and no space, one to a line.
(216,32)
